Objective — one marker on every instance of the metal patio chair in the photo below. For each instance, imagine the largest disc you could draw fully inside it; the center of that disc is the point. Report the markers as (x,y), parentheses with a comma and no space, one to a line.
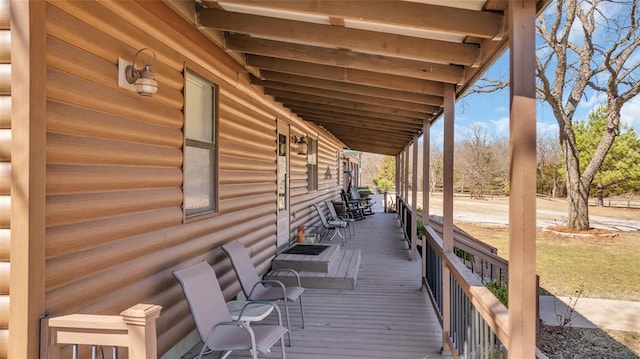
(213,322)
(256,289)
(350,222)
(336,228)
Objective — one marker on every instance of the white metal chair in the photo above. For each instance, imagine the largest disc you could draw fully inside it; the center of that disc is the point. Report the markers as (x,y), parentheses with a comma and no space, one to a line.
(213,322)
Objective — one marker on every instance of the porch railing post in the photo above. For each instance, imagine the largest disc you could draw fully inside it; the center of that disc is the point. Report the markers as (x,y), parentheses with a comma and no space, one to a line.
(141,323)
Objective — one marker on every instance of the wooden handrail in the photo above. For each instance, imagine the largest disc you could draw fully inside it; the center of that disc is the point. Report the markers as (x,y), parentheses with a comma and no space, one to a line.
(134,328)
(488,306)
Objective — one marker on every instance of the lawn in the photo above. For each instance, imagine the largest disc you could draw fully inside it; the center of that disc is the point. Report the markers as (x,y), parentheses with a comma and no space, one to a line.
(607,268)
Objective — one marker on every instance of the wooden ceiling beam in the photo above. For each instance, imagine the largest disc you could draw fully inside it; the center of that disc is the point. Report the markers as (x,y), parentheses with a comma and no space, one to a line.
(365,122)
(283,96)
(359,77)
(343,110)
(380,43)
(278,78)
(344,58)
(411,106)
(465,22)
(398,125)
(365,136)
(357,139)
(358,143)
(363,130)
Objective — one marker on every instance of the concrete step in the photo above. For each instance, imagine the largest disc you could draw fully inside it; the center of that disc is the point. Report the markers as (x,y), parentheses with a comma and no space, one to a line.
(308,263)
(342,275)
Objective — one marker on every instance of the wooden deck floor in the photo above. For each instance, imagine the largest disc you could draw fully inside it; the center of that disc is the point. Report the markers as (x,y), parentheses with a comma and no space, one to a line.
(386,316)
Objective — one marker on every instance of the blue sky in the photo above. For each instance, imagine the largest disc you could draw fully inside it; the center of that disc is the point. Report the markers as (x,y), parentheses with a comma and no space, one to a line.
(491,110)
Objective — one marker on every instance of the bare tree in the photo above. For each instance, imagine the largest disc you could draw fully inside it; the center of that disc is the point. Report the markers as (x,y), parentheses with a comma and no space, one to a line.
(549,163)
(436,168)
(500,151)
(476,160)
(587,44)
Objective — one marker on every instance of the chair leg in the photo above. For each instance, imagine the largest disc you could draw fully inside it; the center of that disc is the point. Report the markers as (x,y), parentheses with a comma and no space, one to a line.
(301,310)
(335,232)
(286,312)
(284,356)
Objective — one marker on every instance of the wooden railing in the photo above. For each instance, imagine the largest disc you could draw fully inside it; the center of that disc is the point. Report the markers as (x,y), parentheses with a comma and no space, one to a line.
(478,320)
(481,258)
(134,329)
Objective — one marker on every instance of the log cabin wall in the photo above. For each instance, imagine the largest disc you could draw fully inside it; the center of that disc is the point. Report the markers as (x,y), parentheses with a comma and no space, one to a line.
(5,172)
(114,222)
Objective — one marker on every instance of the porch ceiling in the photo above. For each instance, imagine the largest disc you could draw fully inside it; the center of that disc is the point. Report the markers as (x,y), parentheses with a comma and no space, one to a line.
(370,72)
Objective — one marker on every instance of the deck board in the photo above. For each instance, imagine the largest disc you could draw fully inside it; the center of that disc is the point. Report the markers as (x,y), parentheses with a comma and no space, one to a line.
(385,316)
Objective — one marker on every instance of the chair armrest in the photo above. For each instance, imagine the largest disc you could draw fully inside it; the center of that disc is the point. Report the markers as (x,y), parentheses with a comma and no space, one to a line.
(285,270)
(269,281)
(261,302)
(235,323)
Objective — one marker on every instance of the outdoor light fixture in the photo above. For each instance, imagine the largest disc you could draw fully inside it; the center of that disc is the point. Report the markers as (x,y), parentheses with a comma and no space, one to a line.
(300,143)
(143,79)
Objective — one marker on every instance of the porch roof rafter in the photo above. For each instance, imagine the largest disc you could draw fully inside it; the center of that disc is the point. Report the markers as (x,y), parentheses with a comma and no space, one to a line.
(373,60)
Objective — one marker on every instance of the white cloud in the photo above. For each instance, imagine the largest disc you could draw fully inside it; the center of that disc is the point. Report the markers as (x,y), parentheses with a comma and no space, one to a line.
(592,102)
(501,126)
(436,134)
(544,128)
(630,114)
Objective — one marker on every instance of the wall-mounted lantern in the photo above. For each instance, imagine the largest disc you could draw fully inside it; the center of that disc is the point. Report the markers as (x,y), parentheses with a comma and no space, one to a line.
(299,144)
(143,79)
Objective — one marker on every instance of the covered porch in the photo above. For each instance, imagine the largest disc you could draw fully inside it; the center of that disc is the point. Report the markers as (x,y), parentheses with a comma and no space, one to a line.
(387,315)
(97,183)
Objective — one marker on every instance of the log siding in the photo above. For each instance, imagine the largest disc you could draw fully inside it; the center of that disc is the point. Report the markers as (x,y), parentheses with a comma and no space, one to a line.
(5,173)
(115,226)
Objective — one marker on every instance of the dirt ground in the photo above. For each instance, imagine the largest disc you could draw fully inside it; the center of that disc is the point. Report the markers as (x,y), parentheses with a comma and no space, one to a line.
(550,212)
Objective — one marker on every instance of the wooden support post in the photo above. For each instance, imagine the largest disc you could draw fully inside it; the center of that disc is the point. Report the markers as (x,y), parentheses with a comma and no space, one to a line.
(414,200)
(522,198)
(28,190)
(426,144)
(398,172)
(405,175)
(447,209)
(385,201)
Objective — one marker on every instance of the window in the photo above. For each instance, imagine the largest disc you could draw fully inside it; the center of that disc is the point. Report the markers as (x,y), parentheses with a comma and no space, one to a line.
(200,152)
(312,164)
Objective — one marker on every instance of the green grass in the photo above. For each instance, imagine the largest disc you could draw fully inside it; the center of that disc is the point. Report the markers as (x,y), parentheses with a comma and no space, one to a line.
(607,268)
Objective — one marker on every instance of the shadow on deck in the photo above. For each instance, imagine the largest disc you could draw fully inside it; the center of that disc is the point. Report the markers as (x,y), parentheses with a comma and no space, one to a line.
(385,316)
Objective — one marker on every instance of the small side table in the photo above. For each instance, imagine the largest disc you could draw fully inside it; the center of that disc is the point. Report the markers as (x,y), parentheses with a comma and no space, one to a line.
(253,313)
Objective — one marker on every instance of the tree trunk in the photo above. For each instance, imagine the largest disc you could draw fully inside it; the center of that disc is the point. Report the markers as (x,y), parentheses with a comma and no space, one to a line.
(600,196)
(577,191)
